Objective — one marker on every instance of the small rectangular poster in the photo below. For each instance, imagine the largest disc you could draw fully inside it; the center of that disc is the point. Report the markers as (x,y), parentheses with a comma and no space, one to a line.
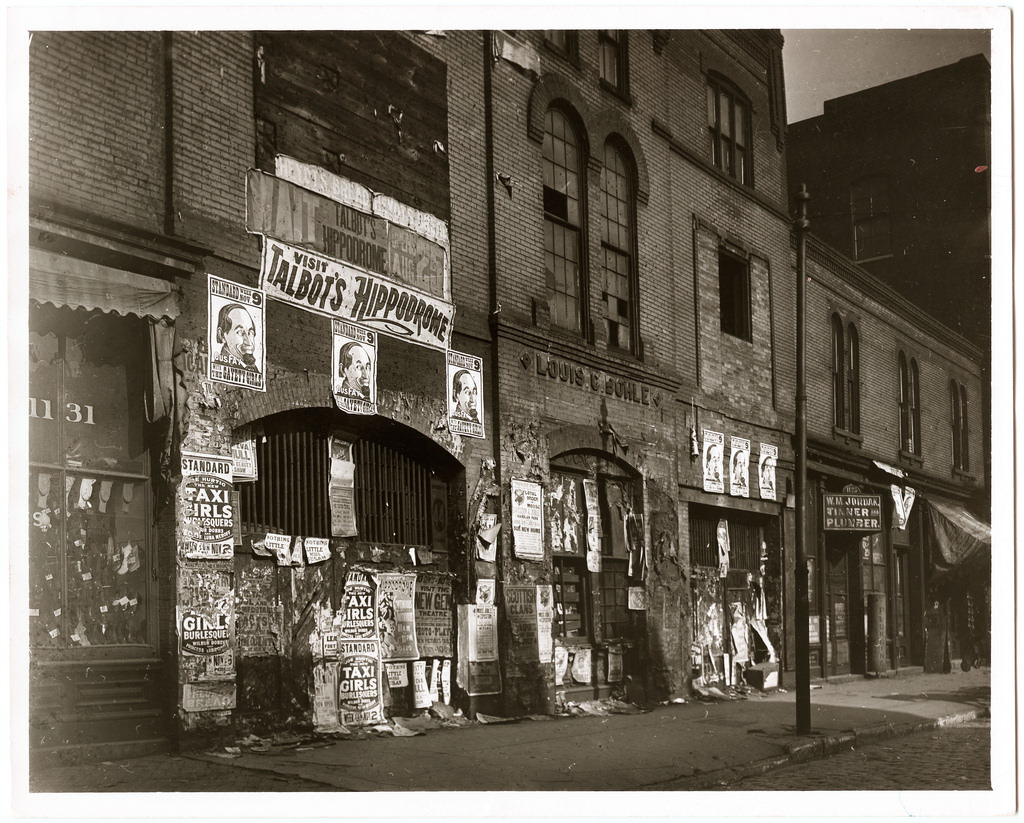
(325,697)
(243,461)
(434,616)
(281,547)
(354,368)
(465,400)
(360,686)
(636,598)
(446,681)
(593,526)
(208,518)
(766,470)
(545,619)
(341,488)
(485,592)
(739,467)
(527,519)
(396,610)
(483,633)
(561,664)
(714,447)
(521,610)
(398,675)
(420,687)
(318,549)
(236,334)
(478,676)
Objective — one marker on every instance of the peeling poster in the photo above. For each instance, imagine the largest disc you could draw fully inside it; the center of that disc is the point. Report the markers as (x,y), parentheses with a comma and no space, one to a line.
(396,611)
(342,488)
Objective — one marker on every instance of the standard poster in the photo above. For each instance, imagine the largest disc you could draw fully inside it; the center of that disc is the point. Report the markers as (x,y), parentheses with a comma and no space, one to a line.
(341,488)
(396,610)
(714,446)
(739,467)
(521,610)
(360,686)
(766,470)
(358,607)
(434,616)
(208,520)
(354,368)
(465,400)
(527,522)
(236,335)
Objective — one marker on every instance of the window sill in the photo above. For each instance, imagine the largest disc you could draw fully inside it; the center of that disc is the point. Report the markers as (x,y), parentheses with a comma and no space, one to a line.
(963,474)
(615,91)
(846,436)
(909,459)
(570,57)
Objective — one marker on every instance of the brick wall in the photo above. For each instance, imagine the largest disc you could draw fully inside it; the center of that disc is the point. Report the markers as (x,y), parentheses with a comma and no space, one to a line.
(96,116)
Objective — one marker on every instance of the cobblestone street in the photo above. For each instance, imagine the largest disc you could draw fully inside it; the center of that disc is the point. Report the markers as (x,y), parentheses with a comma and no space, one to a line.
(953,758)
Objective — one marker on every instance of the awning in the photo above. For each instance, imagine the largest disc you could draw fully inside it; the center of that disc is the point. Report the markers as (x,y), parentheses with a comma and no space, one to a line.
(961,540)
(68,281)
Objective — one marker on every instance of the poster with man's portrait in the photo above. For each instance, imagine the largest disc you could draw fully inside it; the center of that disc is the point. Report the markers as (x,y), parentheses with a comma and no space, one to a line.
(713,454)
(739,467)
(354,368)
(766,470)
(465,395)
(236,335)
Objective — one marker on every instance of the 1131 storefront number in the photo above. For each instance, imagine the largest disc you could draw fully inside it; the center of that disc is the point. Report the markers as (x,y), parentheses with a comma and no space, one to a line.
(74,412)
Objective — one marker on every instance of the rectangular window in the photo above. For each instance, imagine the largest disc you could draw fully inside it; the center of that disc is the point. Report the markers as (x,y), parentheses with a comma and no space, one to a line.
(734,294)
(563,41)
(612,53)
(728,115)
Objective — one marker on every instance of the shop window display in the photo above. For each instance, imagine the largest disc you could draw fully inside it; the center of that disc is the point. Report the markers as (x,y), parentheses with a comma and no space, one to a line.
(88,487)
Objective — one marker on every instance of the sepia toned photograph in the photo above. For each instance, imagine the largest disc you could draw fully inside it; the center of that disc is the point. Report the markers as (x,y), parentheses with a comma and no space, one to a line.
(555,422)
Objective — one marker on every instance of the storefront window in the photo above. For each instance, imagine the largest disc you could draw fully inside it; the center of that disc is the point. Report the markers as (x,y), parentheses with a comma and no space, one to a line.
(89,548)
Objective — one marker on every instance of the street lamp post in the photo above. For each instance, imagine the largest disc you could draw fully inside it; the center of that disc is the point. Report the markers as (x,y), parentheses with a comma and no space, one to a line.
(803,663)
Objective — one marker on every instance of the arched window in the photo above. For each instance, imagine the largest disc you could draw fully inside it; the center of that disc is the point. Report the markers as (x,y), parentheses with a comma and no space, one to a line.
(563,221)
(959,425)
(838,379)
(910,413)
(618,248)
(853,378)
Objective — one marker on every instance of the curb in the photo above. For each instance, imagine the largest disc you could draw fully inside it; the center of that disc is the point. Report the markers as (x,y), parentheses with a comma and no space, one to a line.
(816,749)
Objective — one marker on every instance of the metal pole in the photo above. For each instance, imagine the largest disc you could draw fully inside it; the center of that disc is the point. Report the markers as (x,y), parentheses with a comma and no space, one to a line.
(803,663)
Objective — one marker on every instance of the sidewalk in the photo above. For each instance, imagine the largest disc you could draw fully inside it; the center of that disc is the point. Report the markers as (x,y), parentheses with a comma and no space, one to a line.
(673,747)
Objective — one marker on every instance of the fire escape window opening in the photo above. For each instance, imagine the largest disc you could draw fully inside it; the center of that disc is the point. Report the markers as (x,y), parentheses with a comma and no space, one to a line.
(734,294)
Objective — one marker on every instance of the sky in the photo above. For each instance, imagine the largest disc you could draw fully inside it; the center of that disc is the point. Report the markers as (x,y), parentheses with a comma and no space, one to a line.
(821,64)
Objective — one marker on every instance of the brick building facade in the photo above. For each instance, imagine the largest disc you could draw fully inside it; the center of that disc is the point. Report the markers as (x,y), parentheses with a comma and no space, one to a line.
(510,422)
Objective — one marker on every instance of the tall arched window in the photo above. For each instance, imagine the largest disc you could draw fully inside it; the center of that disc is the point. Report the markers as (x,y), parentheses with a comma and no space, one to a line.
(563,221)
(618,248)
(910,413)
(958,425)
(838,379)
(853,378)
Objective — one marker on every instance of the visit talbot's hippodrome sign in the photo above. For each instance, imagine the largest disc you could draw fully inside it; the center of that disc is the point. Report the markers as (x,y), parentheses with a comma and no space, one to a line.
(852,513)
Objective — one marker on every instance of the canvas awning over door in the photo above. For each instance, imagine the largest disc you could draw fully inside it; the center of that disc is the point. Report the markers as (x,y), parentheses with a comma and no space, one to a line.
(962,542)
(70,282)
